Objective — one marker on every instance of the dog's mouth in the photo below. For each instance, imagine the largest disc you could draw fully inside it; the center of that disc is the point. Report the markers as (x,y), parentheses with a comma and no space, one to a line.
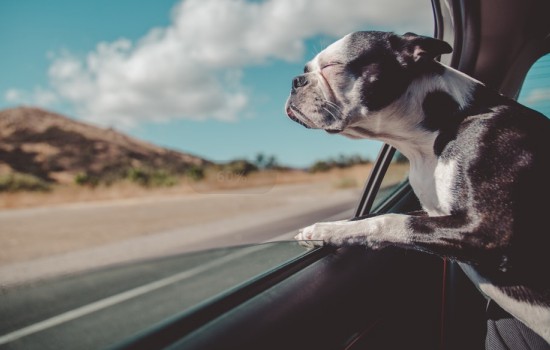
(291,112)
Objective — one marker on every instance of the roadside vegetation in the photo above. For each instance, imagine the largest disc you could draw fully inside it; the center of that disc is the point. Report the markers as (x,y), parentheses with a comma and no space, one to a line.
(339,162)
(149,177)
(257,175)
(15,182)
(154,177)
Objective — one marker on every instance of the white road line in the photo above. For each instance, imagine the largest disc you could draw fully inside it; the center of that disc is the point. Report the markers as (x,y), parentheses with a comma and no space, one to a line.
(133,293)
(119,298)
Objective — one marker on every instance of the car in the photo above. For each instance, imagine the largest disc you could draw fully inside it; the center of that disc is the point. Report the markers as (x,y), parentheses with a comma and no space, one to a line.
(279,295)
(351,298)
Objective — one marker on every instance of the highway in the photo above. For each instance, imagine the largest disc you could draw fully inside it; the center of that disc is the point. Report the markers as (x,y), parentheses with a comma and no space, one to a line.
(96,307)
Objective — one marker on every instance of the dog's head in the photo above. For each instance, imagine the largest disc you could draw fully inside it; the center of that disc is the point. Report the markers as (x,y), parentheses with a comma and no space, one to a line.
(360,74)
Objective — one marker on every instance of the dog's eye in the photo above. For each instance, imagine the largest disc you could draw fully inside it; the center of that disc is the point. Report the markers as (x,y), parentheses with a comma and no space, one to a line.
(330,64)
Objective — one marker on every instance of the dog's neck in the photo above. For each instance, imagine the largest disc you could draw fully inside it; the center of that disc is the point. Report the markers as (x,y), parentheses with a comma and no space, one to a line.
(401,124)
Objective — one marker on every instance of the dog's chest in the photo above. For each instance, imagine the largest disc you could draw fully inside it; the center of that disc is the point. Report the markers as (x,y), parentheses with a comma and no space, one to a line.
(432,181)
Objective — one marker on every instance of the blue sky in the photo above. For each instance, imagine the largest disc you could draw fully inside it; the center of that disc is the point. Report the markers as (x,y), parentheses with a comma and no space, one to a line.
(209,77)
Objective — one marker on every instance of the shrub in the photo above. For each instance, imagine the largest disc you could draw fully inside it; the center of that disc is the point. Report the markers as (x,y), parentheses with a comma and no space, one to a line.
(195,173)
(340,162)
(138,176)
(240,167)
(161,178)
(151,178)
(15,182)
(265,162)
(319,166)
(85,179)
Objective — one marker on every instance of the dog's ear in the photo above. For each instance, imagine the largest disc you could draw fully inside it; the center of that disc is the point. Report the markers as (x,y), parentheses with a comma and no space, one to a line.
(411,48)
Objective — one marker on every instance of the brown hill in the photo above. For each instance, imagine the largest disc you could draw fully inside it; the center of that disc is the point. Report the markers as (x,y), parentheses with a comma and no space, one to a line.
(56,148)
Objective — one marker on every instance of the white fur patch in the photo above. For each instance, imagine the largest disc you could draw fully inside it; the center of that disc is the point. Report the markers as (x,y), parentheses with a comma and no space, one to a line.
(422,180)
(533,316)
(432,181)
(444,174)
(459,85)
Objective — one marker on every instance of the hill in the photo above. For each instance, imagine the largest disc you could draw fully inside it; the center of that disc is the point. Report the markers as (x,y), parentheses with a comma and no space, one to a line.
(55,148)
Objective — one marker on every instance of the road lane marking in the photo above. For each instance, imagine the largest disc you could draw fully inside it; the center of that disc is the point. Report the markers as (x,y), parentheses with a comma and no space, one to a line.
(124,296)
(138,291)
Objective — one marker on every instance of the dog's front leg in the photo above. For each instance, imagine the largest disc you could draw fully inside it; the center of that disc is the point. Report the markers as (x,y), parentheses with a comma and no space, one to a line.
(449,236)
(374,232)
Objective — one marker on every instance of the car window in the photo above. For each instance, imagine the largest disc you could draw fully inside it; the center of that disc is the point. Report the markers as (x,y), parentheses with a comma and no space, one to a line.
(135,138)
(535,92)
(127,299)
(395,177)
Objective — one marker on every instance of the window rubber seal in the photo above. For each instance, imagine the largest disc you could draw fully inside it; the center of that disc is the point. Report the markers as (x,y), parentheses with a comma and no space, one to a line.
(372,185)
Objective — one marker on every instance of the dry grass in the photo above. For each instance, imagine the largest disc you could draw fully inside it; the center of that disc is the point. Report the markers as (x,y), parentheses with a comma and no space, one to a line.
(214,182)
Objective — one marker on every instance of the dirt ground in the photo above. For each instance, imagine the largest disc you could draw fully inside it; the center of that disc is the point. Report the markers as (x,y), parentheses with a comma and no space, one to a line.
(40,228)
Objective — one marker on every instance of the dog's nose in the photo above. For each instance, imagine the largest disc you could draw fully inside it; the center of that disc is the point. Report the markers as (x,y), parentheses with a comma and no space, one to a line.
(299,81)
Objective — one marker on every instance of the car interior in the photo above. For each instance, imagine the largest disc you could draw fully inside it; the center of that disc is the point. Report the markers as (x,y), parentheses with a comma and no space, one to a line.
(354,298)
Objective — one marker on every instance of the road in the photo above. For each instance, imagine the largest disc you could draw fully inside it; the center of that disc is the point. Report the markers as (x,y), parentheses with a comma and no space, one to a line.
(101,299)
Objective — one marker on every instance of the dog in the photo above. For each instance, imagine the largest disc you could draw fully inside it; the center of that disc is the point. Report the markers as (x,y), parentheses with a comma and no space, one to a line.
(479,162)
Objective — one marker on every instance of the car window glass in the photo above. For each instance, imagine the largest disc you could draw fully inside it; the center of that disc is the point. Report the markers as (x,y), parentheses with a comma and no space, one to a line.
(535,92)
(156,290)
(394,178)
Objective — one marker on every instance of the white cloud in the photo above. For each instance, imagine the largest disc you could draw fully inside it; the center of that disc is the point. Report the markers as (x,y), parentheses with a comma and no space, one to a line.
(537,95)
(39,96)
(192,69)
(14,95)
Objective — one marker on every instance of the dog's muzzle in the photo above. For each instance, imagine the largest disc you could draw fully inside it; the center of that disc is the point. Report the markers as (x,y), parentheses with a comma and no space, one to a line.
(290,112)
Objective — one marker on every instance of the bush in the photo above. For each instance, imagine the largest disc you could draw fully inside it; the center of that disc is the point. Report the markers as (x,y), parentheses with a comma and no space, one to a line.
(265,162)
(151,178)
(239,167)
(319,166)
(85,179)
(15,182)
(161,178)
(138,176)
(195,173)
(341,162)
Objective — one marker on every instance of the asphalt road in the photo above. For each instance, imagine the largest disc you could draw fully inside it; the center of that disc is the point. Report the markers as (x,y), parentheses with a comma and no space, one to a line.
(97,308)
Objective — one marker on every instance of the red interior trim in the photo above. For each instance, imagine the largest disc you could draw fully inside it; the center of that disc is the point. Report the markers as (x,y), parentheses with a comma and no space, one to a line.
(442,322)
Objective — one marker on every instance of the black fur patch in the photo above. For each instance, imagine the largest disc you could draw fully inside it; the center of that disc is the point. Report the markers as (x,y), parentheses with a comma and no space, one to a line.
(441,112)
(501,183)
(513,175)
(383,78)
(379,66)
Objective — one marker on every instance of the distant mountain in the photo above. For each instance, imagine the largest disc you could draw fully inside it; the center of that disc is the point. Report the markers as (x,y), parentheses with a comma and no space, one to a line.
(55,148)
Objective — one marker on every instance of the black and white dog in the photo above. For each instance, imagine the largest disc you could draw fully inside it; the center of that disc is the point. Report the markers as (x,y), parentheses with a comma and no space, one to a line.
(479,162)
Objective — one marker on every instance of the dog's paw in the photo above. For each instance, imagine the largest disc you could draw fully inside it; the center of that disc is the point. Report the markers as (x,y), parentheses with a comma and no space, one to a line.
(373,233)
(305,238)
(320,234)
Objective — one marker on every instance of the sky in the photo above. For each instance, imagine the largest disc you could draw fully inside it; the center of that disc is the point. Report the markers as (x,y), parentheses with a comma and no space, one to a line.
(208,77)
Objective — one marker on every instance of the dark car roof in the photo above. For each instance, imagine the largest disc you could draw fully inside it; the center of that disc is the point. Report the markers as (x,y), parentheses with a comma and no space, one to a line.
(495,42)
